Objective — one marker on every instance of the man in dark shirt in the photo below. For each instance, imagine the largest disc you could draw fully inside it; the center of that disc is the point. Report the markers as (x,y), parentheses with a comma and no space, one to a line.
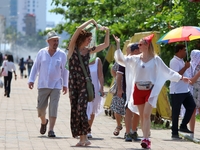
(1,59)
(29,63)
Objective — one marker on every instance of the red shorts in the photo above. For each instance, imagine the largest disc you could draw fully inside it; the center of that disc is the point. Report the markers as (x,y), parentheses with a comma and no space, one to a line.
(140,96)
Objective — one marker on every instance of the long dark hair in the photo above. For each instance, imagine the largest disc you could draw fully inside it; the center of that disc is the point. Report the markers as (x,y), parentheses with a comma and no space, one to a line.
(10,58)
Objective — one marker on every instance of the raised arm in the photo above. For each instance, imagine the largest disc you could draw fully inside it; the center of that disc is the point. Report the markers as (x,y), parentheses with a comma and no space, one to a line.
(118,55)
(117,40)
(72,42)
(106,42)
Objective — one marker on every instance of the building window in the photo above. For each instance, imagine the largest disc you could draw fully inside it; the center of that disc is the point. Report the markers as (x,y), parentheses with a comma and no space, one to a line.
(33,10)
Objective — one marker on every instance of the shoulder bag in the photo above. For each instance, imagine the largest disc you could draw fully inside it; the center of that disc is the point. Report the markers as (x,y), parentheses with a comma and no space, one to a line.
(113,89)
(5,71)
(90,86)
(1,83)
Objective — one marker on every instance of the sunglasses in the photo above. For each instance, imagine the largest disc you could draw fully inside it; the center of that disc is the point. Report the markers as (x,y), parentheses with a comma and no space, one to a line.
(139,44)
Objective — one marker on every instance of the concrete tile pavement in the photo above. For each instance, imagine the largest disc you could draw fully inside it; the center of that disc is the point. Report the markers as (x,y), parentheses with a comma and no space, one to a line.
(19,127)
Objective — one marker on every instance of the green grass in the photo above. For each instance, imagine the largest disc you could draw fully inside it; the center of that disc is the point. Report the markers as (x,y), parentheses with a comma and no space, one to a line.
(198,118)
(163,126)
(160,125)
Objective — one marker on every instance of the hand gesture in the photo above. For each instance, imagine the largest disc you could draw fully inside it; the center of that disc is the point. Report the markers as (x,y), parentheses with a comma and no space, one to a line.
(116,39)
(103,28)
(186,80)
(95,23)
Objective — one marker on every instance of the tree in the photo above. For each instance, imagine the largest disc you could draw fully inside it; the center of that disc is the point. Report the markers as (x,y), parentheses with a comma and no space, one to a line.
(122,19)
(126,17)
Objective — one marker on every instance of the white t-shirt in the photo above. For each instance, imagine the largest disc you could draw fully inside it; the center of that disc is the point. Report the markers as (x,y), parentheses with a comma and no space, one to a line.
(9,65)
(146,71)
(177,64)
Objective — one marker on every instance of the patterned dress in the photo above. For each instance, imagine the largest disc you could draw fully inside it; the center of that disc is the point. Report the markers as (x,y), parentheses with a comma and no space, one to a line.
(196,88)
(117,104)
(78,95)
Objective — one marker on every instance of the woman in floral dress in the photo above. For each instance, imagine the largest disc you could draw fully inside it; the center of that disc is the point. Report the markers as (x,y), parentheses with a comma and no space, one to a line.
(193,72)
(77,82)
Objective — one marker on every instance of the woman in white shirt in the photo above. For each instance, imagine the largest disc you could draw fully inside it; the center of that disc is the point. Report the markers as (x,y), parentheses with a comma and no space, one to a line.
(10,67)
(146,73)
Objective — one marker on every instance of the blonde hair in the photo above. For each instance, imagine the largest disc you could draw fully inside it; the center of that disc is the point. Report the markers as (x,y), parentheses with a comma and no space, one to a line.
(150,47)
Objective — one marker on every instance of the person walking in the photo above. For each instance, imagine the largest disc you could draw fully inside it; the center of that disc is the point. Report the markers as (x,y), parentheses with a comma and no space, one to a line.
(146,73)
(29,63)
(131,119)
(1,59)
(22,67)
(77,81)
(9,65)
(117,104)
(180,93)
(193,72)
(120,102)
(49,65)
(95,107)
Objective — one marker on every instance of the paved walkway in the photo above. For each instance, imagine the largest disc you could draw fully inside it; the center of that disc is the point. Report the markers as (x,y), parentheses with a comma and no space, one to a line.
(19,127)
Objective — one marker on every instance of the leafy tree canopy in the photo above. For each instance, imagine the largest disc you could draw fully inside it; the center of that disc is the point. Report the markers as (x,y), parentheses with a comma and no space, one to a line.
(126,17)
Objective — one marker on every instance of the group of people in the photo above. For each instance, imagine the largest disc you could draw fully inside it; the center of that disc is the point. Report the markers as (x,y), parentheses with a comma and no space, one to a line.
(50,66)
(140,75)
(145,75)
(25,64)
(9,68)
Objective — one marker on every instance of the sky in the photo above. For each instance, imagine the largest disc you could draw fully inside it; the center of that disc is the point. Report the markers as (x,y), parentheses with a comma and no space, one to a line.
(52,16)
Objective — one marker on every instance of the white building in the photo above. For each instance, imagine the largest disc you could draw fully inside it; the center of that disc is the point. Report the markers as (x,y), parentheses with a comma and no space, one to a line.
(15,10)
(36,7)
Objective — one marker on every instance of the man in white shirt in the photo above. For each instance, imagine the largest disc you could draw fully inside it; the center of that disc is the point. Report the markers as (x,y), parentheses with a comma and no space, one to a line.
(179,92)
(49,65)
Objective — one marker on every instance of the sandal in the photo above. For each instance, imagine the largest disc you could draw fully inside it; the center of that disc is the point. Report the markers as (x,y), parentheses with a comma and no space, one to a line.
(80,144)
(87,143)
(117,130)
(43,127)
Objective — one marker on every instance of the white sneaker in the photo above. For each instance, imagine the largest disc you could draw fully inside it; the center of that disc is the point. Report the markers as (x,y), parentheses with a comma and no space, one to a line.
(192,135)
(89,135)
